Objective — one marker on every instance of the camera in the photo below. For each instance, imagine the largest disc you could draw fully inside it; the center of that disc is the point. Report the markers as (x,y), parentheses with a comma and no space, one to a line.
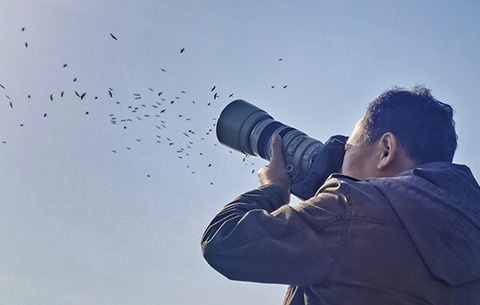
(309,162)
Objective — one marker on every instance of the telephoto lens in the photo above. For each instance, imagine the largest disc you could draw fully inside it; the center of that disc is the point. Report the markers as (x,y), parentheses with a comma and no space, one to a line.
(249,129)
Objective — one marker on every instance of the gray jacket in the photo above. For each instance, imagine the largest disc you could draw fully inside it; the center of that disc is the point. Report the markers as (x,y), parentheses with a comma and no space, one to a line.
(409,239)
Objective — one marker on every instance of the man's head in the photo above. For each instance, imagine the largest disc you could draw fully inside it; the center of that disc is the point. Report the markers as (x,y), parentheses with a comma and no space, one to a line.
(401,129)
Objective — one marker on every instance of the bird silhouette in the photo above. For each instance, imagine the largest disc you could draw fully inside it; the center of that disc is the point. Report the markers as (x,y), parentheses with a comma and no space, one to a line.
(186,145)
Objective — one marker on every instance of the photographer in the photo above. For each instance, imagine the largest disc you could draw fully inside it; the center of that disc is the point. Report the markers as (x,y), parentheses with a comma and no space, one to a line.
(399,225)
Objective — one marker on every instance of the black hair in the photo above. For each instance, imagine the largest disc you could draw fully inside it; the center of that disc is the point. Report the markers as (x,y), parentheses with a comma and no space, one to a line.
(423,125)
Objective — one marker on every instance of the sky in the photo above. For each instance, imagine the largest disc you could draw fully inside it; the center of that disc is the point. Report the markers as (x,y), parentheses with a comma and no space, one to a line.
(104,198)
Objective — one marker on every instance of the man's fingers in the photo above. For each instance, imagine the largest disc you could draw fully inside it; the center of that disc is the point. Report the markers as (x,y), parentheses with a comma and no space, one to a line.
(276,151)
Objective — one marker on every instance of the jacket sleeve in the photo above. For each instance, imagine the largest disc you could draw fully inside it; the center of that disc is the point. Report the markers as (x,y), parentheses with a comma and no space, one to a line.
(258,238)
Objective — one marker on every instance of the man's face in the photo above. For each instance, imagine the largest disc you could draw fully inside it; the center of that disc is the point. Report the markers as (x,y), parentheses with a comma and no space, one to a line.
(359,161)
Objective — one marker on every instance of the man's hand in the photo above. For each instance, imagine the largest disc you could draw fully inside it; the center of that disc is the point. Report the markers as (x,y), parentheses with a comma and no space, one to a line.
(275,173)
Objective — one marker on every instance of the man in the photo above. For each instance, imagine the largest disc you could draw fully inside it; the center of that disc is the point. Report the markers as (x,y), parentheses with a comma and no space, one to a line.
(399,225)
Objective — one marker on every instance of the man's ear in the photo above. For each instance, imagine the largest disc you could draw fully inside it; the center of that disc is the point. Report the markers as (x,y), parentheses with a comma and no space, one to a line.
(388,146)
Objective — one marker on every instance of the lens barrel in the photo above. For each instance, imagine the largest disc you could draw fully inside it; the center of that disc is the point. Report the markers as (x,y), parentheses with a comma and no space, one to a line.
(235,125)
(248,129)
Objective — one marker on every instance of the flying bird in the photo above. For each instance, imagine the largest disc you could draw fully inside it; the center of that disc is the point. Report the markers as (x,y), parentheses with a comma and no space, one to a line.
(182,50)
(113,36)
(2,86)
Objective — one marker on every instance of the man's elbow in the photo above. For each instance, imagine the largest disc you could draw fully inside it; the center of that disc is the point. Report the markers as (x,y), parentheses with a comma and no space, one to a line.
(219,260)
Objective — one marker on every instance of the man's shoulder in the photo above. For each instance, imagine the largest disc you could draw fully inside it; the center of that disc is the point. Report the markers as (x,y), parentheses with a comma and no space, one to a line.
(365,200)
(357,190)
(410,187)
(441,174)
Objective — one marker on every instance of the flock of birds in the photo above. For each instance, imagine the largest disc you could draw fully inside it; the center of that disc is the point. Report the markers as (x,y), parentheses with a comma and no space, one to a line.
(162,112)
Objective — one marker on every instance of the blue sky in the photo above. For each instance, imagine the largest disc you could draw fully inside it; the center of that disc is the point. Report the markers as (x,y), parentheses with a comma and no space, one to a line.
(100,213)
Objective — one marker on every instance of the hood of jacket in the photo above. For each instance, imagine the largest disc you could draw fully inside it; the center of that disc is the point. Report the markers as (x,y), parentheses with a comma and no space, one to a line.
(439,204)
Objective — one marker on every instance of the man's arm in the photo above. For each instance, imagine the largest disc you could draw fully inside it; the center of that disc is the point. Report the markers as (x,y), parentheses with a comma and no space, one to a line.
(258,237)
(247,241)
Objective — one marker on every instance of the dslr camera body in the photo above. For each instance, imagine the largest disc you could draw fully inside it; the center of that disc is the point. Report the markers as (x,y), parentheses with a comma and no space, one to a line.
(309,162)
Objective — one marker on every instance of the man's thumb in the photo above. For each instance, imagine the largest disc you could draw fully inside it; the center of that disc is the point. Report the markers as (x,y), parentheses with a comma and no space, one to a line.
(276,150)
